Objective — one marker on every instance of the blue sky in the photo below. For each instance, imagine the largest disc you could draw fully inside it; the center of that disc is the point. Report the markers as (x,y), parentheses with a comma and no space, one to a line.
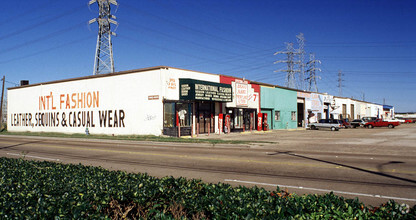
(372,42)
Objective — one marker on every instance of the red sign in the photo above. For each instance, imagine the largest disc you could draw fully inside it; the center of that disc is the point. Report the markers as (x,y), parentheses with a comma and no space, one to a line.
(260,122)
(220,122)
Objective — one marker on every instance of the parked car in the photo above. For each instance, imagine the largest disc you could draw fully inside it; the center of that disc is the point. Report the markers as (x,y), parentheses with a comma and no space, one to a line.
(409,121)
(346,123)
(368,119)
(357,123)
(396,120)
(332,124)
(381,123)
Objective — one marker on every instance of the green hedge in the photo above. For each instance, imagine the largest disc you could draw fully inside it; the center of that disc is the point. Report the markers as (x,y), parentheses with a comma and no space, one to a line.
(46,190)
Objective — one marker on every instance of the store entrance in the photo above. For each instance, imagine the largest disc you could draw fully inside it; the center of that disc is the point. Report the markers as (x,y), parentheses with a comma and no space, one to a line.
(301,114)
(249,119)
(242,119)
(206,122)
(205,113)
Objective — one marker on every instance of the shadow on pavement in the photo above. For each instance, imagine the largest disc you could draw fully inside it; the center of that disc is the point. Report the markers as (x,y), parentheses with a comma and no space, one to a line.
(351,167)
(16,145)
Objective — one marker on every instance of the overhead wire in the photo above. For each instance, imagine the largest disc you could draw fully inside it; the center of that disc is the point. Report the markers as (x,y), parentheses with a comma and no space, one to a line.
(167,49)
(185,27)
(46,21)
(46,50)
(135,26)
(46,37)
(213,25)
(27,12)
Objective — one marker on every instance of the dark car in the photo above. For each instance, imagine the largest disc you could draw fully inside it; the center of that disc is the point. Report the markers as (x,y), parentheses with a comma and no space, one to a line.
(357,123)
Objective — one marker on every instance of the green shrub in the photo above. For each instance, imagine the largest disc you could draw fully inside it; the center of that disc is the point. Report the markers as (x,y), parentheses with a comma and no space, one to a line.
(45,190)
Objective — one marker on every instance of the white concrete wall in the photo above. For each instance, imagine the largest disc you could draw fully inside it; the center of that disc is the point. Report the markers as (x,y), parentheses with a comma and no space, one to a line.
(124,98)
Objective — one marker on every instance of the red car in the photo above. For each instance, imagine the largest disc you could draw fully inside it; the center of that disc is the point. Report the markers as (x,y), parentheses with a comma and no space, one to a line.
(346,123)
(381,123)
(409,121)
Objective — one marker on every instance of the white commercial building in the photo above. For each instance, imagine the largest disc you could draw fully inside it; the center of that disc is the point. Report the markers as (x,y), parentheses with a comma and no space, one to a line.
(145,101)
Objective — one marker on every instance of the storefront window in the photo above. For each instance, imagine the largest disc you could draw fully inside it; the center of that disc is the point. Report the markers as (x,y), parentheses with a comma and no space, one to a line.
(293,116)
(169,115)
(238,118)
(277,115)
(183,114)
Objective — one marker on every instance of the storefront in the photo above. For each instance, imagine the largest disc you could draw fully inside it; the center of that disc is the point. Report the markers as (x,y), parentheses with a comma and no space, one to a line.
(244,108)
(143,102)
(280,104)
(197,109)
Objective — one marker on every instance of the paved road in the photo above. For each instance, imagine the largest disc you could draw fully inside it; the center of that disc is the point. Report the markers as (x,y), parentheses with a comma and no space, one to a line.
(373,164)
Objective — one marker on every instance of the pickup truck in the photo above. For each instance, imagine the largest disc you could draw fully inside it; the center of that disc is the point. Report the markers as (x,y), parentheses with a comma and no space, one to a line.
(381,123)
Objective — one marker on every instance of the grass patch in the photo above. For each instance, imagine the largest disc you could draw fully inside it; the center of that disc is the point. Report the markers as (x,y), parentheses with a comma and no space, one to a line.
(131,138)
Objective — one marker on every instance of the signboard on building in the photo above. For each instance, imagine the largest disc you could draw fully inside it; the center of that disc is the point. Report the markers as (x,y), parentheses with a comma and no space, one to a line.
(241,93)
(190,89)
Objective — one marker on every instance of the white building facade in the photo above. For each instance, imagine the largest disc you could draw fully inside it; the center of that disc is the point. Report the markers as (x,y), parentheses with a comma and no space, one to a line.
(144,101)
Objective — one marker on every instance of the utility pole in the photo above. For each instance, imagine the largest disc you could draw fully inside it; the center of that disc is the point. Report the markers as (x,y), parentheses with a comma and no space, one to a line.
(104,62)
(312,73)
(1,102)
(363,96)
(340,74)
(291,71)
(301,52)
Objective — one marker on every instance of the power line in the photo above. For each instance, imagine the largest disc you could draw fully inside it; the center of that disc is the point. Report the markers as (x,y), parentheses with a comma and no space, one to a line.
(48,36)
(377,72)
(199,16)
(130,7)
(27,12)
(31,27)
(45,50)
(239,57)
(135,26)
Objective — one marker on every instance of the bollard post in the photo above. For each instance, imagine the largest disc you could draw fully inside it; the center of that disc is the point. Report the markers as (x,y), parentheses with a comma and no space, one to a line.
(229,123)
(179,130)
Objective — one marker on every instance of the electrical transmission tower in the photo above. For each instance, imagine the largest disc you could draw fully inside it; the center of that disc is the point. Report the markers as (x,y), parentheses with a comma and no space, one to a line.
(104,62)
(340,74)
(312,73)
(301,53)
(291,62)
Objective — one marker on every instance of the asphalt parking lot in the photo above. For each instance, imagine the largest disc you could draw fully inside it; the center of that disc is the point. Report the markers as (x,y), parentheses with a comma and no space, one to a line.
(354,140)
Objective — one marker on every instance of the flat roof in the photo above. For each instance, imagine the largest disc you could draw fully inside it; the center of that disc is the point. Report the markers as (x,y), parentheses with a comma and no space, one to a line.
(168,67)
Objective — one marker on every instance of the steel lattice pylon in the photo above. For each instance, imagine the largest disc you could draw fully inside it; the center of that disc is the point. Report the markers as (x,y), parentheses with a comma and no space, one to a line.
(104,62)
(291,62)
